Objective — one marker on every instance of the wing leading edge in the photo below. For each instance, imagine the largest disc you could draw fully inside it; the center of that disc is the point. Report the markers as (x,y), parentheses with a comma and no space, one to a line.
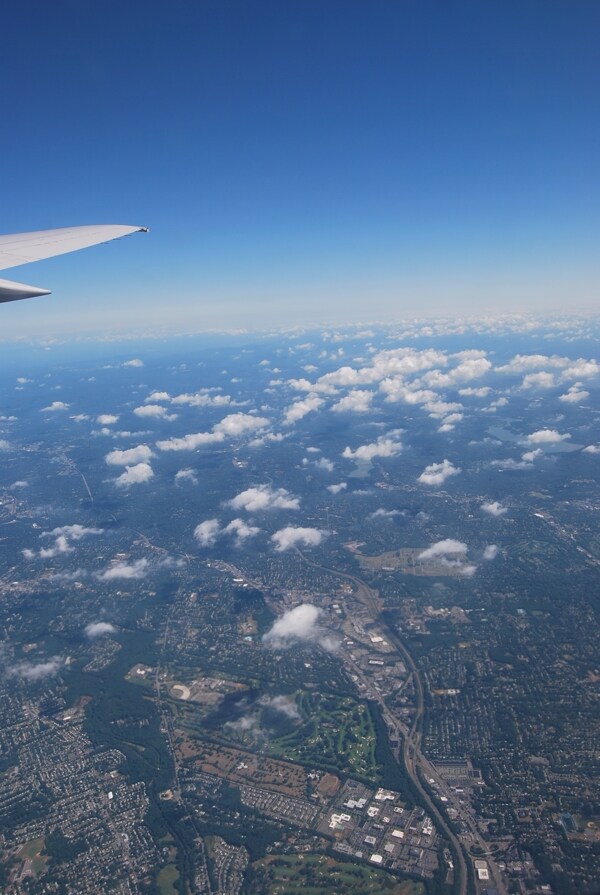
(23,248)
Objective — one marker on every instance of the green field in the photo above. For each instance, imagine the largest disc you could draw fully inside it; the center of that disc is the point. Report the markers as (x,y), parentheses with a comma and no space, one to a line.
(166,880)
(319,875)
(32,851)
(334,732)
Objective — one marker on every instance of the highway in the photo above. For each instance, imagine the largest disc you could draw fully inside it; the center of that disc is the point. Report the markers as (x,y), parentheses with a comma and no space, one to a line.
(410,754)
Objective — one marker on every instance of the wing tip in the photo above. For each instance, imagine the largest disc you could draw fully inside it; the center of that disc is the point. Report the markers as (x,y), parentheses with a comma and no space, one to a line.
(10,291)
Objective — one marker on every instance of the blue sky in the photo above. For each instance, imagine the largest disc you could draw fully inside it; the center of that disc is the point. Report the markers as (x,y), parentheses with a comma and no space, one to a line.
(302,161)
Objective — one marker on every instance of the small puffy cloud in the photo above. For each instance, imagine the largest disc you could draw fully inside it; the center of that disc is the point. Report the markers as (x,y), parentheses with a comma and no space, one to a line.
(471,392)
(385,446)
(154,410)
(491,551)
(285,705)
(139,454)
(530,456)
(266,438)
(449,553)
(303,385)
(324,464)
(38,671)
(186,475)
(447,547)
(190,442)
(437,473)
(135,475)
(20,483)
(236,424)
(262,498)
(107,419)
(98,629)
(471,368)
(201,399)
(581,369)
(124,570)
(232,426)
(591,449)
(511,463)
(522,363)
(56,405)
(538,380)
(299,409)
(493,508)
(381,513)
(4,445)
(547,436)
(357,401)
(157,396)
(299,623)
(207,532)
(336,489)
(289,537)
(74,532)
(63,535)
(575,394)
(61,545)
(134,362)
(240,530)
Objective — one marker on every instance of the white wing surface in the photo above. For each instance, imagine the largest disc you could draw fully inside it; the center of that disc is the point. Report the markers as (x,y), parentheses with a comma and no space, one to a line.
(22,248)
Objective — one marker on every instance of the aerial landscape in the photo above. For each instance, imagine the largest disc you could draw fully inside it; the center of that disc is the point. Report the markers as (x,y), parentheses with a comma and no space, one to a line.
(320,605)
(299,455)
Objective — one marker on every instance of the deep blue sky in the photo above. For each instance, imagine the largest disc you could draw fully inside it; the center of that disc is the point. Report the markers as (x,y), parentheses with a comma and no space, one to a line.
(303,160)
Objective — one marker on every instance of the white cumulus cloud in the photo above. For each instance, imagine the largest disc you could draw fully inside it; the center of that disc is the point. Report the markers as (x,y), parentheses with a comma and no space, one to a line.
(232,426)
(56,405)
(494,508)
(240,530)
(299,409)
(125,570)
(547,436)
(139,454)
(382,513)
(447,547)
(135,475)
(262,498)
(385,446)
(357,401)
(154,410)
(289,537)
(538,380)
(299,623)
(575,394)
(37,671)
(97,629)
(437,473)
(491,551)
(107,419)
(186,475)
(207,532)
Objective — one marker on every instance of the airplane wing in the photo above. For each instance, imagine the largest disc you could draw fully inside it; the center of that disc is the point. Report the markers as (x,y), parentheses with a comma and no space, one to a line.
(22,248)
